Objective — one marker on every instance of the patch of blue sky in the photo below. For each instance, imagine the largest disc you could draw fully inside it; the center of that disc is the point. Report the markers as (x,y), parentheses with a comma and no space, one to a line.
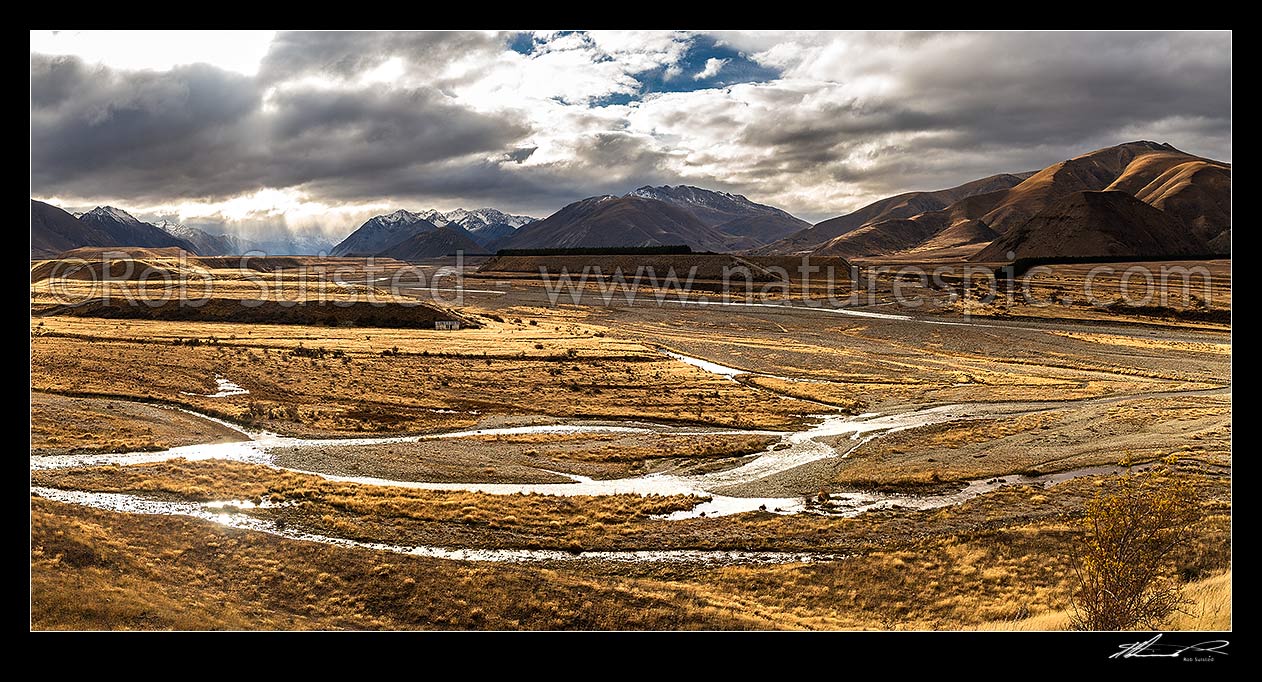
(522,42)
(690,73)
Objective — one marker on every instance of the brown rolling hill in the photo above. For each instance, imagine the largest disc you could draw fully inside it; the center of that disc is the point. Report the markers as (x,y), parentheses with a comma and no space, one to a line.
(962,219)
(121,263)
(1090,223)
(1193,190)
(958,241)
(610,221)
(1196,191)
(902,206)
(1155,173)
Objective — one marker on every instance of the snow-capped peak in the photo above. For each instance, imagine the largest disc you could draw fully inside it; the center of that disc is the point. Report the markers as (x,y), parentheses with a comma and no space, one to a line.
(688,194)
(435,216)
(473,221)
(479,219)
(112,213)
(399,217)
(176,229)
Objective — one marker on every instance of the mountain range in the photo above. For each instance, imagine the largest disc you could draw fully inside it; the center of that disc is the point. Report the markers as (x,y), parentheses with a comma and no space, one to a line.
(54,231)
(899,207)
(201,242)
(606,221)
(412,236)
(1041,213)
(1134,199)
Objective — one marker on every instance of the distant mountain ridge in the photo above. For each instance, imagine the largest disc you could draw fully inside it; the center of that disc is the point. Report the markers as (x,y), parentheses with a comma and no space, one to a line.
(443,240)
(958,222)
(610,221)
(203,242)
(702,219)
(54,231)
(729,213)
(125,229)
(381,232)
(482,227)
(478,219)
(898,207)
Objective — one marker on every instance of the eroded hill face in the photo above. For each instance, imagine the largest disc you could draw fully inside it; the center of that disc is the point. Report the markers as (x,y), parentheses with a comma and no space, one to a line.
(1110,223)
(1194,192)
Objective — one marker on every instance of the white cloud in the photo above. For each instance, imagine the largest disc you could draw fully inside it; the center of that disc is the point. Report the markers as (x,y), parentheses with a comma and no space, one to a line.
(850,117)
(389,71)
(712,67)
(238,51)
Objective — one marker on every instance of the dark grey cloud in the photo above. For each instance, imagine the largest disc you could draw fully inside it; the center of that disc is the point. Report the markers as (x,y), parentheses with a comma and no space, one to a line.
(945,108)
(369,135)
(95,130)
(520,154)
(199,132)
(538,191)
(1006,102)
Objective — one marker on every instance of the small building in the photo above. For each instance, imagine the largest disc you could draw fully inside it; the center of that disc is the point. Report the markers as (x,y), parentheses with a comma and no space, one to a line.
(446,325)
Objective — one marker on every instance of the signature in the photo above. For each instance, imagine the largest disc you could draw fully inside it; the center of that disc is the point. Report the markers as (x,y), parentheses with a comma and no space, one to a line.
(1153,649)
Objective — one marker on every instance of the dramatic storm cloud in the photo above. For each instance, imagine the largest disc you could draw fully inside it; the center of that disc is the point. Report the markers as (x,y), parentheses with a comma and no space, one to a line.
(324,129)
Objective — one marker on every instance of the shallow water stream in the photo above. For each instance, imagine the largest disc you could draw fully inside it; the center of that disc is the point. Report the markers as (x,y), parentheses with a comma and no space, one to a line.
(791,450)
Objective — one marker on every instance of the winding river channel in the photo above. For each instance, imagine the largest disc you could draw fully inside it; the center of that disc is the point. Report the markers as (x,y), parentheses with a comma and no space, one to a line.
(791,450)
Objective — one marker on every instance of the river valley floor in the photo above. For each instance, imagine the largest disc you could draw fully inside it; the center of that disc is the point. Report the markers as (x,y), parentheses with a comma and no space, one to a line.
(562,464)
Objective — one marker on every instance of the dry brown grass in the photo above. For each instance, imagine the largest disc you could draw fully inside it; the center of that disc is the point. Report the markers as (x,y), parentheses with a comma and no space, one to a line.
(487,371)
(103,571)
(1207,346)
(63,424)
(459,519)
(94,569)
(998,558)
(834,394)
(387,514)
(1209,609)
(1062,292)
(994,573)
(1133,431)
(887,366)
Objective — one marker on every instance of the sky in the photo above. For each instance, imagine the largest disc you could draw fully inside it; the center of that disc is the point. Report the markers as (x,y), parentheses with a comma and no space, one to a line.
(254,132)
